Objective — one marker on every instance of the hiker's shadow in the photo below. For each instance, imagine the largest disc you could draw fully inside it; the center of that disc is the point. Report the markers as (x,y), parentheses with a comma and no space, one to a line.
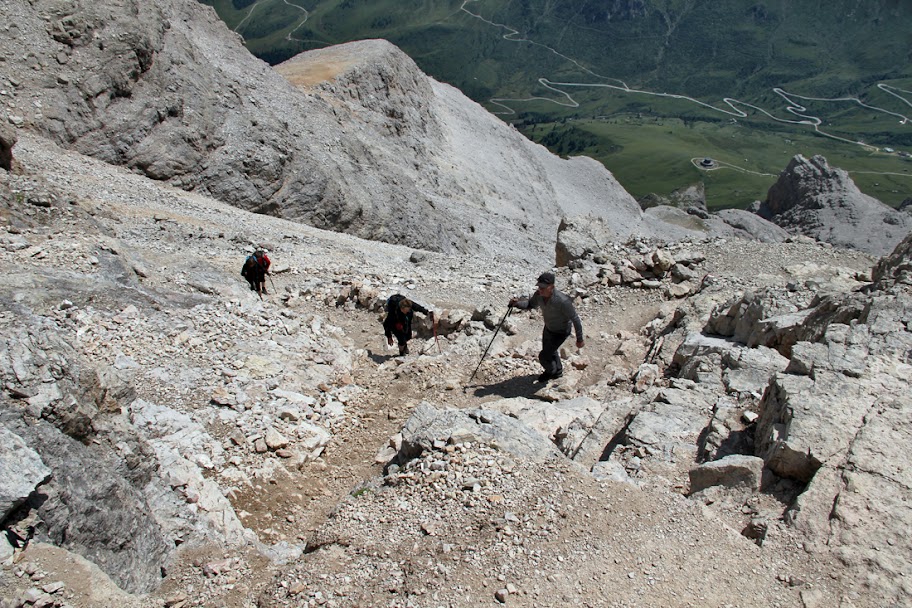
(379,358)
(520,386)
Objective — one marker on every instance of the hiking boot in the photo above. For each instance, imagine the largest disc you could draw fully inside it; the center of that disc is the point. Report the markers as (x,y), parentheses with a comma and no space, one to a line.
(545,376)
(403,350)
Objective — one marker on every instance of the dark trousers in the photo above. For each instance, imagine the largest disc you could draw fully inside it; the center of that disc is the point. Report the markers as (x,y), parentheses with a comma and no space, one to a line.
(549,357)
(402,338)
(257,280)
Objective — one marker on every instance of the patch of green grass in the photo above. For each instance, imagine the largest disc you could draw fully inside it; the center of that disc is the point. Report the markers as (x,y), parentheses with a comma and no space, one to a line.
(362,491)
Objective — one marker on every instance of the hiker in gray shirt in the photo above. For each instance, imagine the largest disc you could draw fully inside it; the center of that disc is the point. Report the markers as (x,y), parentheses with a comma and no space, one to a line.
(560,320)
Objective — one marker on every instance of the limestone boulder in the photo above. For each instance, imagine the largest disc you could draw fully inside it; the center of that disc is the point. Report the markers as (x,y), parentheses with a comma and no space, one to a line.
(554,420)
(429,424)
(736,470)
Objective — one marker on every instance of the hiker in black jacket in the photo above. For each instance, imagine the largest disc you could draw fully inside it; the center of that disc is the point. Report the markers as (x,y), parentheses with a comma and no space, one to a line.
(398,322)
(255,269)
(560,320)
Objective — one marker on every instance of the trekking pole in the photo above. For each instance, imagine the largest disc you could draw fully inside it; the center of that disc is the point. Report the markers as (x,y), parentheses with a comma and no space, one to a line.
(509,309)
(436,339)
(271,283)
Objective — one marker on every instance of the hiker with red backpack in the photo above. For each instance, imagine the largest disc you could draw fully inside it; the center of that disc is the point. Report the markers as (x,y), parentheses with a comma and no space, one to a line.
(398,322)
(255,269)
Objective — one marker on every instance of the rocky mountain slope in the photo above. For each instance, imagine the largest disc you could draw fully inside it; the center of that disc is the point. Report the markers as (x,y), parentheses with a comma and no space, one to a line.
(363,142)
(199,446)
(730,435)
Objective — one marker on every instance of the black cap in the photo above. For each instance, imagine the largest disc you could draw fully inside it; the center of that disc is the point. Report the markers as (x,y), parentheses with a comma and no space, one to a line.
(546,278)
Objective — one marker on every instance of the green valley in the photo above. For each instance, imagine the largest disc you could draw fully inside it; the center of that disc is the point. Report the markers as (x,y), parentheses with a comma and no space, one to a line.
(646,86)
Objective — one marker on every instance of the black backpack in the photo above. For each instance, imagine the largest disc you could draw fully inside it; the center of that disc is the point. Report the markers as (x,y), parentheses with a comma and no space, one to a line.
(392,304)
(251,265)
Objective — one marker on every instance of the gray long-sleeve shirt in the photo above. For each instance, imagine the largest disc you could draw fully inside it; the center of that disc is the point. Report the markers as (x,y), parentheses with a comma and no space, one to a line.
(558,312)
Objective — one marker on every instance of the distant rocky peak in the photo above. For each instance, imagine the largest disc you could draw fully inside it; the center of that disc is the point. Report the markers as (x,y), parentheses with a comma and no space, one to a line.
(371,75)
(816,200)
(802,180)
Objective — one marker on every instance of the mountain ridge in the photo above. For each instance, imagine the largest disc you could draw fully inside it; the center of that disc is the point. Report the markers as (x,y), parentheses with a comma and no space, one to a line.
(307,163)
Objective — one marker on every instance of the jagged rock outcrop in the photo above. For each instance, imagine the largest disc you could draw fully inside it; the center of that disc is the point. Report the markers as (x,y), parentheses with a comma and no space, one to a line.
(21,470)
(822,202)
(896,267)
(7,141)
(93,502)
(831,419)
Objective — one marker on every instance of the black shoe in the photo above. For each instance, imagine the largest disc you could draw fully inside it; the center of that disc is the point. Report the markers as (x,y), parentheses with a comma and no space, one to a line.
(557,375)
(543,377)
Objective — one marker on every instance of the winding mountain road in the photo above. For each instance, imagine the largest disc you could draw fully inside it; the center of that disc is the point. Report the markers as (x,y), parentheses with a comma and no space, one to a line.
(733,109)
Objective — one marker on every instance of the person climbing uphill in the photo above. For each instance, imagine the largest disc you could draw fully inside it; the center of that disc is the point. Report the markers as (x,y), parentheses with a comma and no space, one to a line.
(398,322)
(255,269)
(560,320)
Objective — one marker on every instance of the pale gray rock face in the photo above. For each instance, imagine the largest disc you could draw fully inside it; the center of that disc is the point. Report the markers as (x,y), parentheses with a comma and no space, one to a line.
(21,470)
(90,508)
(93,504)
(670,424)
(757,227)
(823,202)
(558,422)
(831,420)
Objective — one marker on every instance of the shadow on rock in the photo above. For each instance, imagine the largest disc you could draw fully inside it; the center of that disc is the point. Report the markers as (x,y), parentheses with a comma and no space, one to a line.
(521,386)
